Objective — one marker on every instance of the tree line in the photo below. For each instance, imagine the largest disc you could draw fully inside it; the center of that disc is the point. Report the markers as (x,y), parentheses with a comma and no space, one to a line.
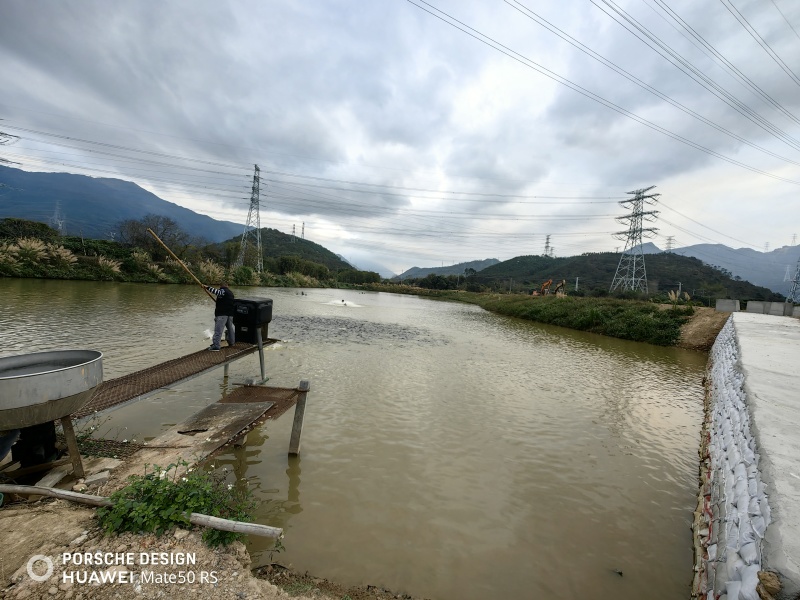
(34,249)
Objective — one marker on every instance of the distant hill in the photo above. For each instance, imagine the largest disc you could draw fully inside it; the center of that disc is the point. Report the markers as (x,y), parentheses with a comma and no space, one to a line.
(364,264)
(650,248)
(417,272)
(665,271)
(761,268)
(767,269)
(275,243)
(92,206)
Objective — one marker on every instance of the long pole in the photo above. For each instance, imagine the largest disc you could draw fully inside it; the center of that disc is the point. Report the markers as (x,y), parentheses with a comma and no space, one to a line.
(180,262)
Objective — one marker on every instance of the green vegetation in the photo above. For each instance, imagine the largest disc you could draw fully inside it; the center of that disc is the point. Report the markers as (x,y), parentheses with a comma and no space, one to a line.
(35,250)
(594,272)
(160,500)
(624,319)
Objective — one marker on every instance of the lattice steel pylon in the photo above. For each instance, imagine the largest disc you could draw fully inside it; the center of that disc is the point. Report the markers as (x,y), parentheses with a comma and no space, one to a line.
(631,273)
(794,290)
(252,228)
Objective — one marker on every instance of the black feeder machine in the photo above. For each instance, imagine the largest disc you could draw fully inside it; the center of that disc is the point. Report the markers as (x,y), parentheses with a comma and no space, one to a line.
(251,322)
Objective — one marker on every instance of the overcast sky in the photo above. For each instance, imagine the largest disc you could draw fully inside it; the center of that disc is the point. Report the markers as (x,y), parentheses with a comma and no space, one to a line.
(400,140)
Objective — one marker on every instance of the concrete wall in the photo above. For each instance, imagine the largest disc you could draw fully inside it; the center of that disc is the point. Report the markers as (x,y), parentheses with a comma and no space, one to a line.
(754,306)
(724,305)
(774,308)
(778,309)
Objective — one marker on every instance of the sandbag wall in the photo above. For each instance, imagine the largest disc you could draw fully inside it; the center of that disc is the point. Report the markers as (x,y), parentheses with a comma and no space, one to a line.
(733,513)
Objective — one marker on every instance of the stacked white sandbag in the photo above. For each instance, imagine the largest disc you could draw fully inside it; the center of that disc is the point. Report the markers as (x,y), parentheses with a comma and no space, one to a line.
(736,510)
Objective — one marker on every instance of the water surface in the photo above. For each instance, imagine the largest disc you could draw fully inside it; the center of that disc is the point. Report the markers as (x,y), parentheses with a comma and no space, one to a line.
(447,452)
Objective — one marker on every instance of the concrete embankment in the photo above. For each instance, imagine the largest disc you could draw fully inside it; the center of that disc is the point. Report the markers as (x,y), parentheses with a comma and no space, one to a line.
(747,527)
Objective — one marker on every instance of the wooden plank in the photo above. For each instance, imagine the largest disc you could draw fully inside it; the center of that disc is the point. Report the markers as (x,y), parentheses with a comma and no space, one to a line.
(54,476)
(299,412)
(72,446)
(204,432)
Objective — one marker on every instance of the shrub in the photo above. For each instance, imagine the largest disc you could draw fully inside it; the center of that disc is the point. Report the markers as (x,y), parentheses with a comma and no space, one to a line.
(109,268)
(8,253)
(141,258)
(60,256)
(31,250)
(161,499)
(155,271)
(245,276)
(210,272)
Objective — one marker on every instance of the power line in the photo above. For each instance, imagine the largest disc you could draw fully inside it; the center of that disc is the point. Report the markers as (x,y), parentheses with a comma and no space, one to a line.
(633,79)
(709,50)
(585,92)
(785,19)
(694,73)
(761,42)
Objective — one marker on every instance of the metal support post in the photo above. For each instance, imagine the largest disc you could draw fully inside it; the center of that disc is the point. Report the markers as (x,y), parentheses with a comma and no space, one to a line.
(261,354)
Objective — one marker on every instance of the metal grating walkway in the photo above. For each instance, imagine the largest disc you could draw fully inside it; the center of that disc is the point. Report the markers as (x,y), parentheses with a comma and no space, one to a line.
(141,384)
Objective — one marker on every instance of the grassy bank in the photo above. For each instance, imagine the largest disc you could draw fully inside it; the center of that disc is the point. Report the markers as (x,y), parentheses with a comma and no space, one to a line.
(625,319)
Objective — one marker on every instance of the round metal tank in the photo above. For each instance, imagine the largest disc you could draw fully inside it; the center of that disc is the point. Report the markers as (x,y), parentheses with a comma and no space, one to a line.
(45,386)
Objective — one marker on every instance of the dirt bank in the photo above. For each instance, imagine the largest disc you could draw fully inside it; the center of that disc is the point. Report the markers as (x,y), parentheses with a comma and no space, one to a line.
(702,328)
(57,529)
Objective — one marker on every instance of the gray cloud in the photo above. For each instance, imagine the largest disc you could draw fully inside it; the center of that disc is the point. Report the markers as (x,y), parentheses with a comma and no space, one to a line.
(383,93)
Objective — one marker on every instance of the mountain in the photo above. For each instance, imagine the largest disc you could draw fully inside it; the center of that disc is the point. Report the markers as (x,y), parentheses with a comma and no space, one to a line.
(650,248)
(275,243)
(93,206)
(364,264)
(767,269)
(417,272)
(595,271)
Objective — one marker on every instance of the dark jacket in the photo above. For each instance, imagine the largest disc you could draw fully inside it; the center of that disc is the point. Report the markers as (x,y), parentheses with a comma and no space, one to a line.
(225,306)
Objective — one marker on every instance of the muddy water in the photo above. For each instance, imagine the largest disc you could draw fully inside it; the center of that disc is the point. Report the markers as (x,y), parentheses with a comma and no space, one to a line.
(447,452)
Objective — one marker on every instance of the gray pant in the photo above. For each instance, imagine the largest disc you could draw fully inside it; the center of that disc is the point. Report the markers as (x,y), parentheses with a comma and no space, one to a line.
(221,323)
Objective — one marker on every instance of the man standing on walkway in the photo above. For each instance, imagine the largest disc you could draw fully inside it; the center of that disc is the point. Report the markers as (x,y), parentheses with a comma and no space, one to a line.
(223,315)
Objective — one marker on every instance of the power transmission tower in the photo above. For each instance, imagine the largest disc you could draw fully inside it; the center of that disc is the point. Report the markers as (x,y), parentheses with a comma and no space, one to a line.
(252,228)
(303,231)
(631,273)
(788,273)
(794,239)
(670,243)
(766,247)
(294,236)
(794,290)
(57,221)
(547,248)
